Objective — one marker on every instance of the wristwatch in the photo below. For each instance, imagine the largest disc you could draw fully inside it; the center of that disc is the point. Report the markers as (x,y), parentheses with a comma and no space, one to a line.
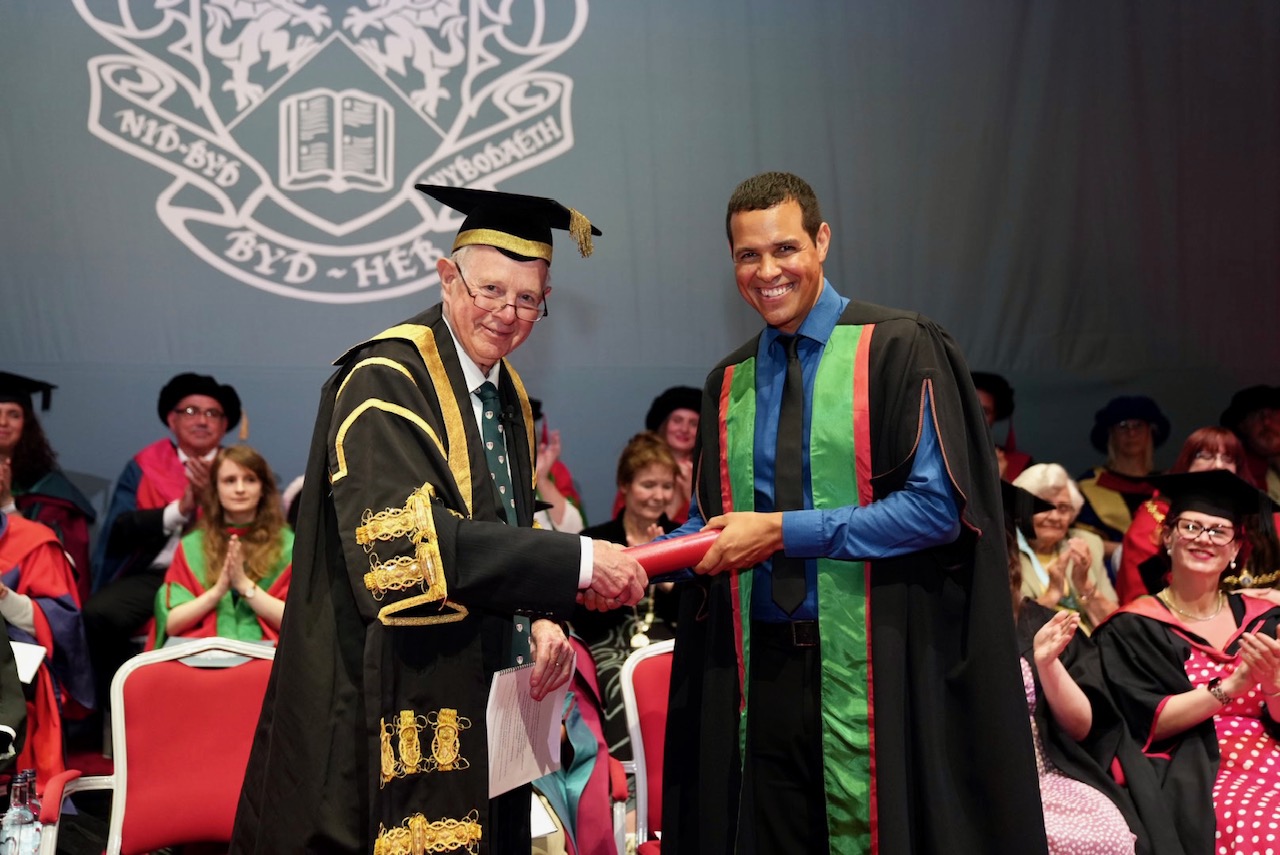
(250,592)
(1219,694)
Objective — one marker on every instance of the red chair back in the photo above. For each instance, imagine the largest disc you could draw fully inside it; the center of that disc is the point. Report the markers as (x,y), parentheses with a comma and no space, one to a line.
(186,738)
(646,690)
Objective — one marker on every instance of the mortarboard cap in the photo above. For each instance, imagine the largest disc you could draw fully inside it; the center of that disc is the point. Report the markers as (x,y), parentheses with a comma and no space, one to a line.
(516,224)
(1217,492)
(14,388)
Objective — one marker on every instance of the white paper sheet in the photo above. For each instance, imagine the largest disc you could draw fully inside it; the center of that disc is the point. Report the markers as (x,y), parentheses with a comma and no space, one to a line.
(524,734)
(28,658)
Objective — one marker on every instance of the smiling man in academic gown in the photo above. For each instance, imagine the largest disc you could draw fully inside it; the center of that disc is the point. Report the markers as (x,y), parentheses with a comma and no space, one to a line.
(416,575)
(845,675)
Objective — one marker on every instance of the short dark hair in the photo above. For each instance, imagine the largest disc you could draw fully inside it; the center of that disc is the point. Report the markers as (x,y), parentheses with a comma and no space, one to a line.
(764,191)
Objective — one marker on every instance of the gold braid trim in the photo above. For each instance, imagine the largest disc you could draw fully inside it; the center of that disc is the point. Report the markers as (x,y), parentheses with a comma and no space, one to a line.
(417,836)
(446,754)
(386,754)
(1248,580)
(526,411)
(415,522)
(455,434)
(410,746)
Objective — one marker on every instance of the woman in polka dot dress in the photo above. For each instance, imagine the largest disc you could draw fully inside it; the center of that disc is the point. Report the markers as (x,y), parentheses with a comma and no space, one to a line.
(1196,673)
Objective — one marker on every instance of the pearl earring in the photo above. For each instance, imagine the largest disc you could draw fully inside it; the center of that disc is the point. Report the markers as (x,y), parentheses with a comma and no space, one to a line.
(1233,564)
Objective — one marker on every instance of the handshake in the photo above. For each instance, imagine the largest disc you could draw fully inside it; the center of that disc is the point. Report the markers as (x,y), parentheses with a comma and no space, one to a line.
(617,579)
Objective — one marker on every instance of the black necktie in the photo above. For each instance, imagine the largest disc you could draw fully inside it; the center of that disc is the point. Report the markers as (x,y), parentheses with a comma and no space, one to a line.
(788,476)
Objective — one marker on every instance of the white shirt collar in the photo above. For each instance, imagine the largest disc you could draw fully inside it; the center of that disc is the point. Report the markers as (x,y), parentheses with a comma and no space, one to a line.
(470,371)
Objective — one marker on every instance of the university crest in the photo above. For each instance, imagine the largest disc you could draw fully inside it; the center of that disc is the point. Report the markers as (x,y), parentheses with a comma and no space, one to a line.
(294,130)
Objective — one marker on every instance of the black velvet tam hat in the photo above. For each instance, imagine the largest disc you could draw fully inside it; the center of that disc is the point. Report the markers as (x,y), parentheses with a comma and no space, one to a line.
(186,384)
(1127,407)
(999,390)
(14,389)
(1247,401)
(518,225)
(1216,492)
(675,398)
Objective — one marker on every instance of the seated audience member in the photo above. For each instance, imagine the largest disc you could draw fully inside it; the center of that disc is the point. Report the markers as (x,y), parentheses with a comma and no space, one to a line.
(996,396)
(578,794)
(1086,809)
(555,485)
(230,576)
(1128,430)
(1143,564)
(31,483)
(646,477)
(13,704)
(1195,673)
(1062,566)
(674,415)
(154,501)
(1254,416)
(39,603)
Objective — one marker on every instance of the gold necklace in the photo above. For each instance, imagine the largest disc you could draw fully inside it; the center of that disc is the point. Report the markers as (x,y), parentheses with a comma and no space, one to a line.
(1166,597)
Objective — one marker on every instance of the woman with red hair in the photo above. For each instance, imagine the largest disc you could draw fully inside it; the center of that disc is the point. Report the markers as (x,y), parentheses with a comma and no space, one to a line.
(1142,570)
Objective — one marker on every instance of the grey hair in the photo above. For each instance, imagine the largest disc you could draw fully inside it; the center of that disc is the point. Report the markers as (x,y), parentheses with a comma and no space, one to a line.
(462,253)
(1043,479)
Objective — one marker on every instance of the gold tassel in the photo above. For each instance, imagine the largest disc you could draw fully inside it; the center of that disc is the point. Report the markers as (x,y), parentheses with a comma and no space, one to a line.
(244,426)
(580,229)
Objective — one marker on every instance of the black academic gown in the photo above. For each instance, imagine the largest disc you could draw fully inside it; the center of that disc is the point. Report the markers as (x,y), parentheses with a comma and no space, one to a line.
(1144,650)
(375,656)
(955,770)
(1108,750)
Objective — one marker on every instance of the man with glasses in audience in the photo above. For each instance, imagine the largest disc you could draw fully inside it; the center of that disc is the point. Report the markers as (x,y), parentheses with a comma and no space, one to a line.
(417,573)
(155,500)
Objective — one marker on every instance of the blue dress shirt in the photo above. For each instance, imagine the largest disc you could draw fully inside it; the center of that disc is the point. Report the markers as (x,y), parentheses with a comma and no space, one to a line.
(921,515)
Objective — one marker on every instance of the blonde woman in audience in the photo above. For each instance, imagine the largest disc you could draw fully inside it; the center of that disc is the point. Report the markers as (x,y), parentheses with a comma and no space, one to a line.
(1062,566)
(231,575)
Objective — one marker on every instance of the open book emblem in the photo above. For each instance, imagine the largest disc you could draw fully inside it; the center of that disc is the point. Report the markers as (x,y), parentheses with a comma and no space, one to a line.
(294,130)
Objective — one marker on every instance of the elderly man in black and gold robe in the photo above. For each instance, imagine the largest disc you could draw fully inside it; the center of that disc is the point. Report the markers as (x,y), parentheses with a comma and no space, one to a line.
(416,573)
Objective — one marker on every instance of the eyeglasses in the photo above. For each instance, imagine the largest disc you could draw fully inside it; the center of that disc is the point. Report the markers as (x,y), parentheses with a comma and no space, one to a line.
(1131,425)
(493,299)
(192,412)
(1206,456)
(1218,535)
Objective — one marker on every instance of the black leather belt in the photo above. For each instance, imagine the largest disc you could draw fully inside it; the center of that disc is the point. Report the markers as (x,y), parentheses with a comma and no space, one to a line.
(796,633)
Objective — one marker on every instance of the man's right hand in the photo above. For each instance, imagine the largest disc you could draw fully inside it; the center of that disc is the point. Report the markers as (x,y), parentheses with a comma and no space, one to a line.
(617,579)
(197,483)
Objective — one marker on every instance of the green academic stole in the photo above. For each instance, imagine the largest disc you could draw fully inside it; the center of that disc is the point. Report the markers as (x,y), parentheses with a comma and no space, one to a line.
(840,472)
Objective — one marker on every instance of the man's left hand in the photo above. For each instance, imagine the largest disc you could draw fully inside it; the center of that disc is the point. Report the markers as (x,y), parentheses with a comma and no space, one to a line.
(745,540)
(552,658)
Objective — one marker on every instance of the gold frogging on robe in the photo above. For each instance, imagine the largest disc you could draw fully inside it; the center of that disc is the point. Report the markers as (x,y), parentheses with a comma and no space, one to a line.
(416,836)
(446,753)
(413,521)
(446,746)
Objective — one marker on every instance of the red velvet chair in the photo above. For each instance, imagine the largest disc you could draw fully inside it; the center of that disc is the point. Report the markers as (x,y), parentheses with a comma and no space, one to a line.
(646,688)
(180,735)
